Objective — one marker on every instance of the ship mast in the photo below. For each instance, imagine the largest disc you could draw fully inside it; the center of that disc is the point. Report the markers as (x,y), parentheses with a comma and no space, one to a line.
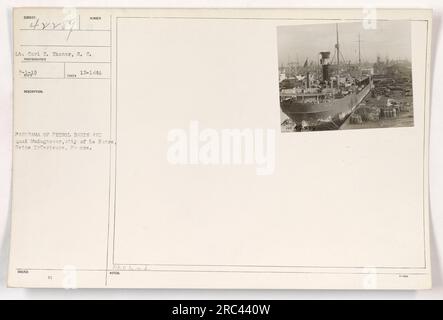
(359,57)
(337,46)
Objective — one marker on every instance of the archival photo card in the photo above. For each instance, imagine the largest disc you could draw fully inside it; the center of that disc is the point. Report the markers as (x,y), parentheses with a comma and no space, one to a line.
(148,149)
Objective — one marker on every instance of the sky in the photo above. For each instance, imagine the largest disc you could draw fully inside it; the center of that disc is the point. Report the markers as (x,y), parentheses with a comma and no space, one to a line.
(390,39)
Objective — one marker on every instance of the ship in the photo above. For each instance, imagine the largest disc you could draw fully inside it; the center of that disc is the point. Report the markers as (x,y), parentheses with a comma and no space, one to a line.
(327,104)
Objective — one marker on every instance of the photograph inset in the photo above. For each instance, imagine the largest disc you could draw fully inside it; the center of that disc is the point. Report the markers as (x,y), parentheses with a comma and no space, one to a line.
(343,76)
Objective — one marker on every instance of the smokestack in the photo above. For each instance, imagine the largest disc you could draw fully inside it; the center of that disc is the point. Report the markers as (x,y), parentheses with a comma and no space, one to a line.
(324,61)
(308,80)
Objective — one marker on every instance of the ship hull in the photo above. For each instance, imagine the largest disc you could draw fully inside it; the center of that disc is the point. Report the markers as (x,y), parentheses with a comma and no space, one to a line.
(326,115)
